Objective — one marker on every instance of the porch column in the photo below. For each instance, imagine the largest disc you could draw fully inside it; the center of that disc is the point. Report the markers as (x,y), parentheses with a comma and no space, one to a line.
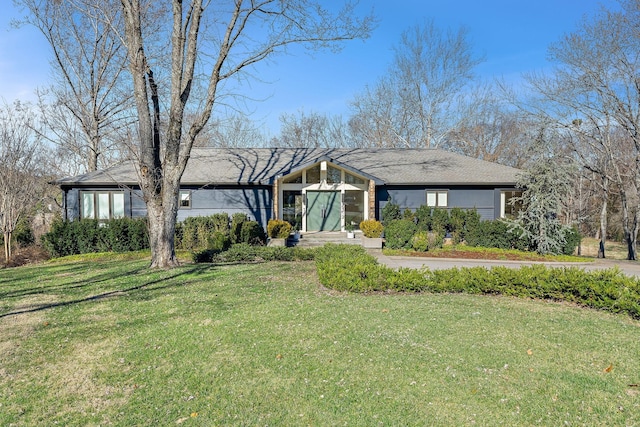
(276,200)
(372,199)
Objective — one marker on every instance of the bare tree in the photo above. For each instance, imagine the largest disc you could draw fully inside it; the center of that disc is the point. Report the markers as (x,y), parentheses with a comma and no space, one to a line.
(415,105)
(240,34)
(490,129)
(20,159)
(311,130)
(594,93)
(90,99)
(234,131)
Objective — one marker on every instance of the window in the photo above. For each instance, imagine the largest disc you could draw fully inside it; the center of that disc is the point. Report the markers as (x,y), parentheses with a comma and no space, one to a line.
(437,199)
(313,174)
(101,205)
(353,208)
(509,204)
(293,179)
(185,199)
(292,208)
(350,179)
(333,175)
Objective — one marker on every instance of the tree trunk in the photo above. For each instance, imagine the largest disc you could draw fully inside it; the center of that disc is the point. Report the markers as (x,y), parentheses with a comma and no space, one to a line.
(162,212)
(629,238)
(603,225)
(7,246)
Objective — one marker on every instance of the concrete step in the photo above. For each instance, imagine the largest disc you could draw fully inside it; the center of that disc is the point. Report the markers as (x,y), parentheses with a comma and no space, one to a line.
(314,239)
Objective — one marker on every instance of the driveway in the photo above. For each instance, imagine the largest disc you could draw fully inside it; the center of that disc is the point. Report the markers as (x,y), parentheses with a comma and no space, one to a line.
(631,268)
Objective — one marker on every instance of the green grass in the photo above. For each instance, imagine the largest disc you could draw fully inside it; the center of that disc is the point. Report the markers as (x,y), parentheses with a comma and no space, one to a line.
(109,342)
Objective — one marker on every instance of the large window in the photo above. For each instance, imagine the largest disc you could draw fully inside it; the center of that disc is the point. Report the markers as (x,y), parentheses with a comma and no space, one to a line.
(292,208)
(510,204)
(101,205)
(353,208)
(438,199)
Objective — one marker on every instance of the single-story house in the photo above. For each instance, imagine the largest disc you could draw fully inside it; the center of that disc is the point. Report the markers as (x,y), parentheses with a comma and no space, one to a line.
(314,189)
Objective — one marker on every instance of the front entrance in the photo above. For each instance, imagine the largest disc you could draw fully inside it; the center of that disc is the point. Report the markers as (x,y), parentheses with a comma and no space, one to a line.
(323,210)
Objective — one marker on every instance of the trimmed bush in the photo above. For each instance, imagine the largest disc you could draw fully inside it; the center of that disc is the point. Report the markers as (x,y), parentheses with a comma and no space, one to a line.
(371,228)
(495,234)
(88,235)
(242,252)
(398,234)
(218,241)
(350,268)
(252,233)
(278,229)
(237,221)
(220,222)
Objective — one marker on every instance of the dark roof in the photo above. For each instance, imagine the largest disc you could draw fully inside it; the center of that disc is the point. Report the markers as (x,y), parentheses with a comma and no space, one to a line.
(222,166)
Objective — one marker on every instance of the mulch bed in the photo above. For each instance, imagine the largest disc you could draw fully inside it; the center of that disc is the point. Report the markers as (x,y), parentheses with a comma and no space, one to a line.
(25,256)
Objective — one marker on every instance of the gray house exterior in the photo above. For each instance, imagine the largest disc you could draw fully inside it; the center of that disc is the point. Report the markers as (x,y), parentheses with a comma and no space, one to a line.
(314,189)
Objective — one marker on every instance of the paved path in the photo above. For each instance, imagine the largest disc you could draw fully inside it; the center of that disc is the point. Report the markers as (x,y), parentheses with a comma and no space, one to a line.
(631,268)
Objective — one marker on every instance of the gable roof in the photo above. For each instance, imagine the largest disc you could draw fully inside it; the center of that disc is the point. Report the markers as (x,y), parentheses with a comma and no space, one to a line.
(225,166)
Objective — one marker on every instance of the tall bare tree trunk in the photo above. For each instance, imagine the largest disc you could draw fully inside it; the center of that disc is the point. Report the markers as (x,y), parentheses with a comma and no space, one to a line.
(162,226)
(7,246)
(603,217)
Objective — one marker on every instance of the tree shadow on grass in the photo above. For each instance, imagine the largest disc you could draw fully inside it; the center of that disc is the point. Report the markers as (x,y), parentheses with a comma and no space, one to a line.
(144,287)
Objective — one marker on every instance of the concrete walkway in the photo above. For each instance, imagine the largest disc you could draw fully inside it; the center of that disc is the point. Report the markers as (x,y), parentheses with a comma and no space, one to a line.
(631,268)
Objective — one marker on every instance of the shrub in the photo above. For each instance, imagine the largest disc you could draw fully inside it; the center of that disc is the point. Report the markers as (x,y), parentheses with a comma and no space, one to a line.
(252,233)
(275,253)
(207,255)
(23,234)
(88,235)
(220,222)
(350,268)
(495,234)
(440,221)
(408,214)
(423,218)
(218,241)
(572,240)
(195,232)
(237,219)
(398,233)
(240,252)
(420,241)
(371,228)
(278,229)
(390,212)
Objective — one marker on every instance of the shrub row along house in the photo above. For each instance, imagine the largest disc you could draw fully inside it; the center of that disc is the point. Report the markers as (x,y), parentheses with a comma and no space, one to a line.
(313,189)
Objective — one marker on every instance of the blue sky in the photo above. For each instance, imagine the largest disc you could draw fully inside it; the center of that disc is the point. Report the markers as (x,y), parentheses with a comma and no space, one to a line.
(513,36)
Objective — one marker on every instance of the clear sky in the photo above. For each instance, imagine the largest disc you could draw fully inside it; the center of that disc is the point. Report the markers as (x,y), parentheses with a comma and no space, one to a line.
(513,36)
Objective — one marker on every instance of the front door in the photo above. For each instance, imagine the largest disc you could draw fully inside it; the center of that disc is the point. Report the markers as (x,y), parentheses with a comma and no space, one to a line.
(323,210)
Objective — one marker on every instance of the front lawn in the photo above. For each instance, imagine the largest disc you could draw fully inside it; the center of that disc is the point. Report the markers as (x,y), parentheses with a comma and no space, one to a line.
(108,342)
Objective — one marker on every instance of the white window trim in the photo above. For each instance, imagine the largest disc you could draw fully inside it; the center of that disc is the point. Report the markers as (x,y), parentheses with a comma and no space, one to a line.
(97,212)
(189,198)
(438,194)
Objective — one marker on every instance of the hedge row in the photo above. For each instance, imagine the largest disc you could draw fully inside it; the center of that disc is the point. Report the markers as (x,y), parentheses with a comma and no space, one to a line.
(218,232)
(88,235)
(427,227)
(350,268)
(243,252)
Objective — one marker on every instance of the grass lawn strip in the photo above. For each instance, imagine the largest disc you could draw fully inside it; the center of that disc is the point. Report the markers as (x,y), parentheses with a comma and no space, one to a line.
(110,342)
